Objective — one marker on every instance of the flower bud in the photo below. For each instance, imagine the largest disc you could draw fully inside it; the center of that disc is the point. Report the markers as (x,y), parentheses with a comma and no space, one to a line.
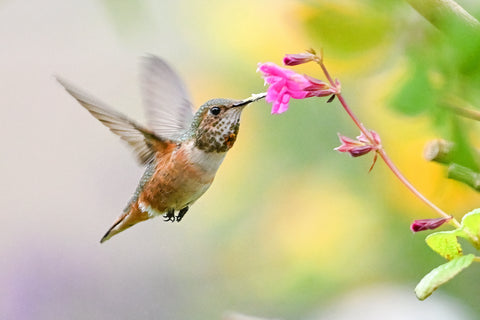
(299,58)
(359,147)
(428,224)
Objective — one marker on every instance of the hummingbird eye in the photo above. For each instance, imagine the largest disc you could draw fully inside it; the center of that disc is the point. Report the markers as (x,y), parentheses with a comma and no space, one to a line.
(215,110)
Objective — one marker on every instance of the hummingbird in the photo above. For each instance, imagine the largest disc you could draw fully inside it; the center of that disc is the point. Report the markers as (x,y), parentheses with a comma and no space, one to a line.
(181,150)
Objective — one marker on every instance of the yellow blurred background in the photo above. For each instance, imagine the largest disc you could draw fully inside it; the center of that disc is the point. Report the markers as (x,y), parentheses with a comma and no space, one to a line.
(290,229)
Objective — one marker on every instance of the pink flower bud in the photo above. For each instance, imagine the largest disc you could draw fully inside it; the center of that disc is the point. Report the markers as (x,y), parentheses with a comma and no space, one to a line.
(299,58)
(319,88)
(428,224)
(359,147)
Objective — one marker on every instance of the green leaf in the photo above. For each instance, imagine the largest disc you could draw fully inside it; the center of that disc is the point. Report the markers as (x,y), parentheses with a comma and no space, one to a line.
(471,227)
(445,243)
(471,222)
(441,275)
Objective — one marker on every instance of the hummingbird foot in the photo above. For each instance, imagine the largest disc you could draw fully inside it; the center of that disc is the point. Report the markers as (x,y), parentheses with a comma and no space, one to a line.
(181,213)
(169,216)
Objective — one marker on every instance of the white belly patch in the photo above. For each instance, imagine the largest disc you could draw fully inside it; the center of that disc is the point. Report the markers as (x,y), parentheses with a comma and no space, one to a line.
(149,210)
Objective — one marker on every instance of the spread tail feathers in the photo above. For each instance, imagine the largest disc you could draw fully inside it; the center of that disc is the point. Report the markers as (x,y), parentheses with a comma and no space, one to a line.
(125,221)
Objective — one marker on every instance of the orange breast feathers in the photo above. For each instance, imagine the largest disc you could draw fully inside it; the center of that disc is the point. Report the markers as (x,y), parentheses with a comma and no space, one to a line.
(176,182)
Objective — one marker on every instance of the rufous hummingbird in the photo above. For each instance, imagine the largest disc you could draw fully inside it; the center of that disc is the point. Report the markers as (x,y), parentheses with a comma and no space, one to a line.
(181,150)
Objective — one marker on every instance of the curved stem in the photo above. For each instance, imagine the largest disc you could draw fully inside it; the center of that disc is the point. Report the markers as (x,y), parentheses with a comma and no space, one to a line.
(340,98)
(354,118)
(410,187)
(382,152)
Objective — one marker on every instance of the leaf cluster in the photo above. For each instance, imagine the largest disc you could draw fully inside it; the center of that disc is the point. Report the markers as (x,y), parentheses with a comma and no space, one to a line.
(446,244)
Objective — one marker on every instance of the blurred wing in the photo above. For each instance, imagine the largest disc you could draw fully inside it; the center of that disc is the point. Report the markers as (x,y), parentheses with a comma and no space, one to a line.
(166,100)
(140,139)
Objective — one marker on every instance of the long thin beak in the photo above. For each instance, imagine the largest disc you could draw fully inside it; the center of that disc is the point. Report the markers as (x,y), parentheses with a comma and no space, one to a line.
(254,97)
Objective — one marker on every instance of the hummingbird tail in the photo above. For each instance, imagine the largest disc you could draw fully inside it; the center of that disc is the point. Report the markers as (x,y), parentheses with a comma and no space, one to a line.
(125,221)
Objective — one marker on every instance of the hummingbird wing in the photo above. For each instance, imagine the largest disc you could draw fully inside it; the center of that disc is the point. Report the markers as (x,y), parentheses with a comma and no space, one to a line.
(166,99)
(144,142)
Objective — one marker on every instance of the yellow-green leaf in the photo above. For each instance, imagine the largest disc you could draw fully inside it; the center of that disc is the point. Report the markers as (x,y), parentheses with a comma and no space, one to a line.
(445,243)
(441,275)
(470,228)
(471,221)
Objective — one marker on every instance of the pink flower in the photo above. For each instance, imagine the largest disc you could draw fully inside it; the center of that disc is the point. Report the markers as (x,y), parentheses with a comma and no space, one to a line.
(359,147)
(286,84)
(428,224)
(299,58)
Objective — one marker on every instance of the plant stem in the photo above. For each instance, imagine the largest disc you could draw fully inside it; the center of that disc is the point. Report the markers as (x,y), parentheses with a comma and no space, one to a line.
(467,113)
(410,187)
(464,175)
(444,14)
(340,98)
(382,152)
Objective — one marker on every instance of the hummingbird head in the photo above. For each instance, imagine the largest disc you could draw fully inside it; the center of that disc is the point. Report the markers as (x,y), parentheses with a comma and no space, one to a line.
(216,123)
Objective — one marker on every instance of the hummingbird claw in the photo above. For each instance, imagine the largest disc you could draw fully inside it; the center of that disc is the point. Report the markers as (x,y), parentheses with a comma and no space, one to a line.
(181,213)
(169,216)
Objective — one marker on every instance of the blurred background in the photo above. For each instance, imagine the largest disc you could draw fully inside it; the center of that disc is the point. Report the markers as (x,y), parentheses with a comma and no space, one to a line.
(290,229)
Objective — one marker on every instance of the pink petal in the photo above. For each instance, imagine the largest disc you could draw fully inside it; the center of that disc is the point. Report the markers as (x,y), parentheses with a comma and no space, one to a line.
(285,84)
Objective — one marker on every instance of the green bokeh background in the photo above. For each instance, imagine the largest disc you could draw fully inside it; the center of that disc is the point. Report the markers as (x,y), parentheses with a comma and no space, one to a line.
(290,229)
